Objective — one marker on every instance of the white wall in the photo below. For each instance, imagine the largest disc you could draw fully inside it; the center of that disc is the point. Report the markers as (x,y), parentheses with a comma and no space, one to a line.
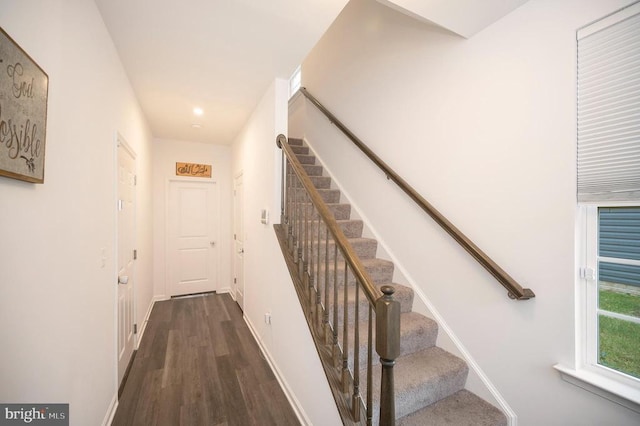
(485,129)
(268,286)
(57,310)
(165,155)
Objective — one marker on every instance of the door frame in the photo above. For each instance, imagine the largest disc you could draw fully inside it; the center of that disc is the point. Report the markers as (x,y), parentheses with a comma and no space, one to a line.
(235,218)
(120,141)
(167,242)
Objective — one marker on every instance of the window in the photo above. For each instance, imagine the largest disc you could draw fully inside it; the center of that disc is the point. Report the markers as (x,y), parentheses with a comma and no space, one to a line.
(609,198)
(295,81)
(612,279)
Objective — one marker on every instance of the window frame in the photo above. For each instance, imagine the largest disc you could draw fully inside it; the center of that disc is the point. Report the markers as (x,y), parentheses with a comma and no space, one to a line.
(295,81)
(588,372)
(589,282)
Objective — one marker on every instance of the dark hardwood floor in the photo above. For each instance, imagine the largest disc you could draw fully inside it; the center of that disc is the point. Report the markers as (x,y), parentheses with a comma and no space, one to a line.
(198,364)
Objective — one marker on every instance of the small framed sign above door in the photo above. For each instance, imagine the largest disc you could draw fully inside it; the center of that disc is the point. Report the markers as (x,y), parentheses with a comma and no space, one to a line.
(193,170)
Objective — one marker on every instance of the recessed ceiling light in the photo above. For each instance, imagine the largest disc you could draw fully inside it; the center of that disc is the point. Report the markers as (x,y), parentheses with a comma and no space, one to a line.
(196,126)
(198,111)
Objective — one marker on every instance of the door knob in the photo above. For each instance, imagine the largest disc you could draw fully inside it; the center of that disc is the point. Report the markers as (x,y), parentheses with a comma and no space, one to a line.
(213,243)
(124,279)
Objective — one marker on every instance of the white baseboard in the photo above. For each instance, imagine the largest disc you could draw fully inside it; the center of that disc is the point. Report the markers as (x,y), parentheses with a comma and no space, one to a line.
(143,326)
(111,411)
(295,404)
(224,290)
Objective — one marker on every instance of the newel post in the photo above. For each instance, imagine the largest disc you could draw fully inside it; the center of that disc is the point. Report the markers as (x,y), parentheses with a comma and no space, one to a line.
(388,347)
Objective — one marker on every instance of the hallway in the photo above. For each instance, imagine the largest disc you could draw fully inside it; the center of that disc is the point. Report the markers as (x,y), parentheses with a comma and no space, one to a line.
(198,364)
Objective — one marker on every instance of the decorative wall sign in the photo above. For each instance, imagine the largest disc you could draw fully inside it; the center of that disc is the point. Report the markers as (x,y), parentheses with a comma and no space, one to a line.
(23,113)
(194,170)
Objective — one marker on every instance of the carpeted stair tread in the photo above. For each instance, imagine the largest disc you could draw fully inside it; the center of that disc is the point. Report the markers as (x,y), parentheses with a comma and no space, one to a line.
(297,149)
(423,378)
(381,271)
(463,408)
(328,195)
(352,228)
(312,169)
(306,158)
(340,211)
(365,248)
(403,294)
(296,141)
(321,182)
(417,332)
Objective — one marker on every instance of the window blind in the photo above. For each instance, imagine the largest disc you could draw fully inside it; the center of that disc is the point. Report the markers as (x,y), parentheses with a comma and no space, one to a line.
(609,108)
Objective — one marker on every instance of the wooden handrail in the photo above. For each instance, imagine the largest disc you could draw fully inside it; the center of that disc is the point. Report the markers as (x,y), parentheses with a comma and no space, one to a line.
(382,302)
(371,291)
(515,290)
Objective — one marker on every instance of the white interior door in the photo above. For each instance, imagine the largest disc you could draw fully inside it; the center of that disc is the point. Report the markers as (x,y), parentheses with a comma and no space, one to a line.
(192,234)
(238,237)
(126,240)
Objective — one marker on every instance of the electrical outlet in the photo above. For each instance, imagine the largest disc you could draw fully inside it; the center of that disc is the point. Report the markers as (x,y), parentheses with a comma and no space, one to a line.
(267,318)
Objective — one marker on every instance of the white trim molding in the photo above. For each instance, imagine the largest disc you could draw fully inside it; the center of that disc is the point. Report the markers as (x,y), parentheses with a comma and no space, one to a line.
(613,390)
(295,404)
(111,411)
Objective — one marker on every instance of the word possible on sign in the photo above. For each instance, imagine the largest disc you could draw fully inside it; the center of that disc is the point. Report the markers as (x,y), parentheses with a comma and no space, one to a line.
(192,169)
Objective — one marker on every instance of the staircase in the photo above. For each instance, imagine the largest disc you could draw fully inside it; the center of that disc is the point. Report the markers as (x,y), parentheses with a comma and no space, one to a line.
(429,381)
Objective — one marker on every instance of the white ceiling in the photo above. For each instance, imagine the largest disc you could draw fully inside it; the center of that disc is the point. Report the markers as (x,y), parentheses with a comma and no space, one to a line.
(220,55)
(462,17)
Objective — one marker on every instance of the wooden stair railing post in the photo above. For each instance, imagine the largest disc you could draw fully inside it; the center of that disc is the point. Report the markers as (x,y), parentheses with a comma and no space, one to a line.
(283,167)
(325,318)
(334,331)
(388,347)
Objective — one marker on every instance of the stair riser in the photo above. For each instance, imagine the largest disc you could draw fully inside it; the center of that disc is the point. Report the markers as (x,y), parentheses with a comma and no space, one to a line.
(433,392)
(364,248)
(408,345)
(300,149)
(321,182)
(379,275)
(403,294)
(306,159)
(327,195)
(312,170)
(350,228)
(339,211)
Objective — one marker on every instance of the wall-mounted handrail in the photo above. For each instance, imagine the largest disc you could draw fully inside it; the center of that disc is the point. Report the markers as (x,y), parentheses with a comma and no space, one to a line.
(515,290)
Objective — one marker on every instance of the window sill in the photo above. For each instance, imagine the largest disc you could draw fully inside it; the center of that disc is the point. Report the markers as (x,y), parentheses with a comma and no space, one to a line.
(613,390)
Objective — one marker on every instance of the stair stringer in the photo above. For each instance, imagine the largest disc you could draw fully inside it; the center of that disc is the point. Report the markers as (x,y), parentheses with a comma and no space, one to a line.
(477,381)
